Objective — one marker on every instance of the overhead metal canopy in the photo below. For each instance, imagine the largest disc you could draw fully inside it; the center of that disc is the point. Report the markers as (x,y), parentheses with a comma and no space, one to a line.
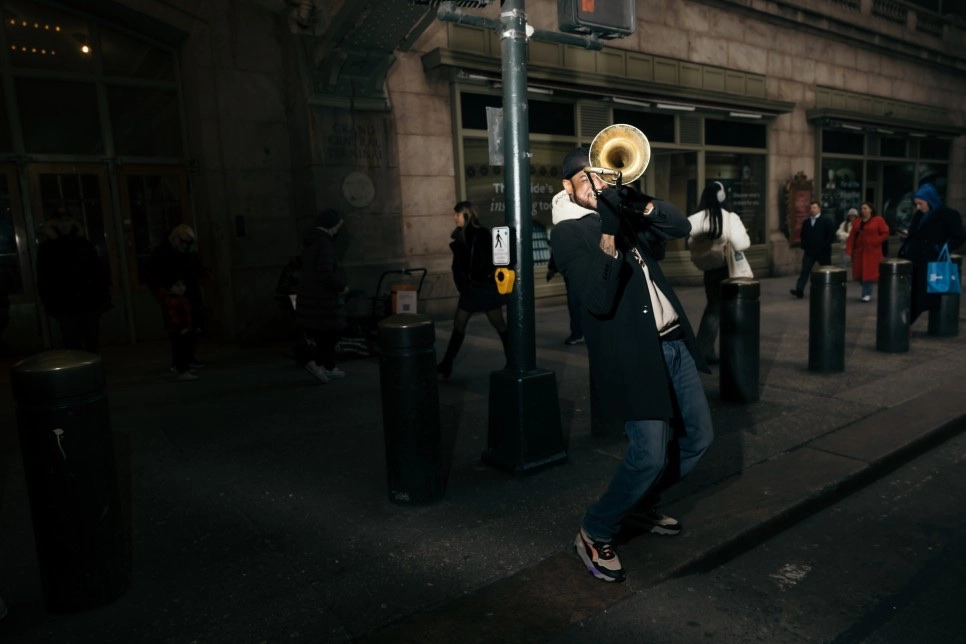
(349,62)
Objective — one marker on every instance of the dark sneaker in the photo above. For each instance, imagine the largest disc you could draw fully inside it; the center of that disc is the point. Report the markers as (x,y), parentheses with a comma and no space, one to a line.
(574,339)
(600,558)
(797,293)
(654,521)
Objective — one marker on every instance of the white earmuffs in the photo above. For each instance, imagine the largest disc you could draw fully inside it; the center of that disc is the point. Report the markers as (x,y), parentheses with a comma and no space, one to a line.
(721,191)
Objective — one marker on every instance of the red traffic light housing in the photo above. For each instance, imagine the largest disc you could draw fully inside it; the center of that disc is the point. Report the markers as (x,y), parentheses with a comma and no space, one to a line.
(605,18)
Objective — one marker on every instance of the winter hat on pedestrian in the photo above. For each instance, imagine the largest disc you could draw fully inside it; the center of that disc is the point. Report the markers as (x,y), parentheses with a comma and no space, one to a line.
(574,162)
(927,192)
(328,218)
(853,212)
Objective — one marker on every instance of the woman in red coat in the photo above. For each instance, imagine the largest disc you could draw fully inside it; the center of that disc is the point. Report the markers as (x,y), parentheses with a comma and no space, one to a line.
(864,246)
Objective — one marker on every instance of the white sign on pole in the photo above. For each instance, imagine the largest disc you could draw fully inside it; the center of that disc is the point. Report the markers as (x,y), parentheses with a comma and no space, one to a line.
(501,246)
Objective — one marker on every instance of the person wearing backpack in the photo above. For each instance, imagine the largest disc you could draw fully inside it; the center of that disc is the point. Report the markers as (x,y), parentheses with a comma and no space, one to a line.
(713,230)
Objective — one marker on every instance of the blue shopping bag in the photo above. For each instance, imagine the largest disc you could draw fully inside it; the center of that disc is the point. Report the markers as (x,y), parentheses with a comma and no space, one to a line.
(942,275)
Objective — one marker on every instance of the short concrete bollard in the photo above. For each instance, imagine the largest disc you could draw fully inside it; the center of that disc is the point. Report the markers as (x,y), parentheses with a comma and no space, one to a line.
(893,305)
(83,547)
(740,339)
(944,319)
(410,409)
(826,320)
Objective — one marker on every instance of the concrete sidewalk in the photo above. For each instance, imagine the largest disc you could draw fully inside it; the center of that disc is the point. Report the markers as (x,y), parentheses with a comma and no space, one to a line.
(259,506)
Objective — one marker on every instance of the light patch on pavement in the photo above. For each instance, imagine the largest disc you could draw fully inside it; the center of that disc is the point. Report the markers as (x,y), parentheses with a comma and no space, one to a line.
(790,574)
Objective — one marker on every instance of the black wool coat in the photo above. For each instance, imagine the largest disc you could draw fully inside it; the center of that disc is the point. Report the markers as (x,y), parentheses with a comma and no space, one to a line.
(70,277)
(817,239)
(927,234)
(472,257)
(627,368)
(318,305)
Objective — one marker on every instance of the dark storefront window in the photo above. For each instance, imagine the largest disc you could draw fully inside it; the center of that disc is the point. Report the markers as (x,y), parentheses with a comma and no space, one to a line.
(735,134)
(897,190)
(841,187)
(543,117)
(59,117)
(658,128)
(11,281)
(841,142)
(891,147)
(936,149)
(6,142)
(546,117)
(146,122)
(129,57)
(743,176)
(887,176)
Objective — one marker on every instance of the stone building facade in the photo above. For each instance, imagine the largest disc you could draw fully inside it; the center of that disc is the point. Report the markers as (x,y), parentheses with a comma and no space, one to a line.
(251,115)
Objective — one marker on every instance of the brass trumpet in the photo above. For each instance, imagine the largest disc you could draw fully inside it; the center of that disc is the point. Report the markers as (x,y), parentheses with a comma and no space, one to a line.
(619,154)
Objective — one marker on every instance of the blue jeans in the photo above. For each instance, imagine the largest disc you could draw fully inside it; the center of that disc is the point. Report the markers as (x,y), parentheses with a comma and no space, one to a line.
(867,288)
(642,471)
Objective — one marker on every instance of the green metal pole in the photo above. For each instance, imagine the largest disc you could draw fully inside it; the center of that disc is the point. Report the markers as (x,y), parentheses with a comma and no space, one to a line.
(516,162)
(525,432)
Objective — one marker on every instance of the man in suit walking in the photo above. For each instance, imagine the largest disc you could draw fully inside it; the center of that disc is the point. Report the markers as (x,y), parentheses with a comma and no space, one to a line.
(818,233)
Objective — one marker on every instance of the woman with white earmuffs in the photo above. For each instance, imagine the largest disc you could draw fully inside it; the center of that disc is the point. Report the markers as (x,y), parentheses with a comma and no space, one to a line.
(713,229)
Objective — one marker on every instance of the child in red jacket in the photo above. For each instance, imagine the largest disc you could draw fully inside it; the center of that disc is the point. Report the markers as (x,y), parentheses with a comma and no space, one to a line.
(176,309)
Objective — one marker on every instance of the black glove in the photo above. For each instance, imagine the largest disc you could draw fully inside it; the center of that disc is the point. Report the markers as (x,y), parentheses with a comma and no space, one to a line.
(633,199)
(609,207)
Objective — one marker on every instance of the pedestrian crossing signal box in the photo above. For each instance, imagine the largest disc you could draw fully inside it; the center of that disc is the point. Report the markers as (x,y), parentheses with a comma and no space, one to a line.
(501,245)
(606,19)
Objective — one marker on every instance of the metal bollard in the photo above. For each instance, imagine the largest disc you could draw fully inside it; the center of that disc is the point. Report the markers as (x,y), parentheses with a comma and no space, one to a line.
(826,319)
(740,339)
(893,305)
(68,455)
(944,318)
(410,409)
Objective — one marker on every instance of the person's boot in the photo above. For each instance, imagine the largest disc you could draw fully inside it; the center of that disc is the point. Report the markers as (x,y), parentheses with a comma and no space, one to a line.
(445,368)
(505,338)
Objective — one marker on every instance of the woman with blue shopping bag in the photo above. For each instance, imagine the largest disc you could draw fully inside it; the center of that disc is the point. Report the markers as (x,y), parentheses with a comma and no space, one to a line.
(933,226)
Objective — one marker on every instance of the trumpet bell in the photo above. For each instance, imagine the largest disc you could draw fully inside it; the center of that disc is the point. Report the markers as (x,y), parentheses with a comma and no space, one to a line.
(619,151)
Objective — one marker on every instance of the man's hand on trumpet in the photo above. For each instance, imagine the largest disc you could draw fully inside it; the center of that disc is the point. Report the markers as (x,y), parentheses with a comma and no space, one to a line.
(626,200)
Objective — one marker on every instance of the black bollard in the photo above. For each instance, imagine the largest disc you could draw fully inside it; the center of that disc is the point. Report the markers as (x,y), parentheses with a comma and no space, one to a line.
(740,339)
(410,409)
(68,455)
(826,319)
(944,317)
(893,305)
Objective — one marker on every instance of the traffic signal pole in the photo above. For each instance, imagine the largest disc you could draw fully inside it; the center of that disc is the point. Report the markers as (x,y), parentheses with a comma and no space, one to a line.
(524,430)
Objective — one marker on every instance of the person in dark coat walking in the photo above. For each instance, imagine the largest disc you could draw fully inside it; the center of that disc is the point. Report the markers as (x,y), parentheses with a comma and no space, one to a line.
(176,312)
(175,259)
(643,356)
(818,234)
(473,273)
(933,225)
(319,312)
(72,282)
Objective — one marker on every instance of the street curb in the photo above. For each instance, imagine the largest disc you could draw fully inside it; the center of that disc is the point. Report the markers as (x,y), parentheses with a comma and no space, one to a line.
(549,585)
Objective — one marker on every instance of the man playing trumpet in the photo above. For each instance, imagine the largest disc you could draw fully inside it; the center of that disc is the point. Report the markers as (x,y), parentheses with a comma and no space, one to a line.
(643,357)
